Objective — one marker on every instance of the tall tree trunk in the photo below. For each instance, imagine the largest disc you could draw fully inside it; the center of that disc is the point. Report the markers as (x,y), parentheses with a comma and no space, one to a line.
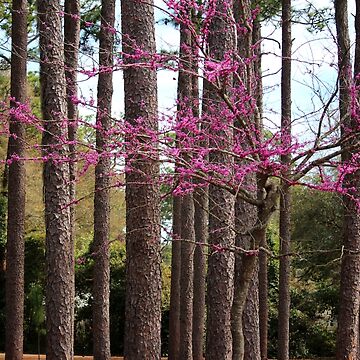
(71,51)
(201,227)
(143,272)
(251,320)
(245,316)
(220,278)
(201,222)
(186,276)
(357,84)
(59,250)
(101,285)
(263,258)
(16,189)
(174,318)
(348,320)
(187,204)
(249,262)
(285,197)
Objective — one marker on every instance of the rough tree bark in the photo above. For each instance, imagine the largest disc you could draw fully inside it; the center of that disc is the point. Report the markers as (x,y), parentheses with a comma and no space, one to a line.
(186,276)
(201,222)
(244,313)
(174,317)
(220,278)
(187,205)
(251,320)
(16,189)
(268,195)
(348,320)
(357,83)
(59,251)
(201,234)
(71,54)
(101,277)
(263,258)
(357,43)
(285,196)
(245,316)
(143,272)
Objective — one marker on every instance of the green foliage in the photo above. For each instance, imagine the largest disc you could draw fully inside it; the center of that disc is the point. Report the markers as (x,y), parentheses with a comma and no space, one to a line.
(5,12)
(5,16)
(37,308)
(36,302)
(90,24)
(83,310)
(34,260)
(4,84)
(5,30)
(316,237)
(34,93)
(34,322)
(83,313)
(317,230)
(315,19)
(268,9)
(312,330)
(272,237)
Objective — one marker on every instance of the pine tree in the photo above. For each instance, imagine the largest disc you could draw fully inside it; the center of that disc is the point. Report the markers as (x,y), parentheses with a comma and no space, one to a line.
(348,319)
(220,277)
(59,249)
(16,188)
(71,54)
(285,196)
(143,273)
(101,286)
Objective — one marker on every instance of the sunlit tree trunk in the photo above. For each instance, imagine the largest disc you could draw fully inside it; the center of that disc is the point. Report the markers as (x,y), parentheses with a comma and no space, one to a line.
(174,318)
(348,320)
(143,273)
(59,249)
(220,277)
(245,313)
(285,197)
(16,188)
(71,54)
(263,258)
(201,235)
(245,309)
(187,204)
(101,284)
